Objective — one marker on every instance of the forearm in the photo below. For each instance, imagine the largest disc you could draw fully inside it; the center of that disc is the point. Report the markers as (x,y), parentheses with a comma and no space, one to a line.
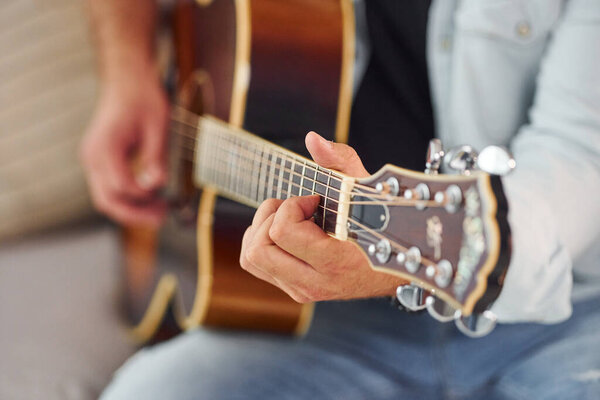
(124,34)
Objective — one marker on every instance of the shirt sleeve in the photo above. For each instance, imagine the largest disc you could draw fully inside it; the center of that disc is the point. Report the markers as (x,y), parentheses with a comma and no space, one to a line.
(554,193)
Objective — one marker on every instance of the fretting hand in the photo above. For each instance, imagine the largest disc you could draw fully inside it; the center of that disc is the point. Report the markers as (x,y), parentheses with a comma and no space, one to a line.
(284,247)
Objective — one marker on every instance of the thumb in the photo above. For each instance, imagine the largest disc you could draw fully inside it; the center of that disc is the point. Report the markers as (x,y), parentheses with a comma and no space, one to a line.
(338,156)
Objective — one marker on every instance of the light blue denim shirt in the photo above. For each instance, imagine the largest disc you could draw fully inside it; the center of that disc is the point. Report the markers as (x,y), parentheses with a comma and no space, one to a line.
(526,74)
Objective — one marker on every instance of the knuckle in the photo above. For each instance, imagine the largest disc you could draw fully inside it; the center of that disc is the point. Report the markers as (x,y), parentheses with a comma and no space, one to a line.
(254,255)
(299,298)
(277,232)
(243,262)
(270,204)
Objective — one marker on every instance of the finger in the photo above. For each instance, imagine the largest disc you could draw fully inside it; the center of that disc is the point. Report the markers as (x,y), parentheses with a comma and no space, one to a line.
(116,170)
(303,239)
(277,263)
(336,156)
(268,207)
(247,265)
(259,273)
(127,212)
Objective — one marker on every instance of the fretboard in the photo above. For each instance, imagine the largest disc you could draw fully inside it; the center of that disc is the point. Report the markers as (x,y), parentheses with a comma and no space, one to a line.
(249,170)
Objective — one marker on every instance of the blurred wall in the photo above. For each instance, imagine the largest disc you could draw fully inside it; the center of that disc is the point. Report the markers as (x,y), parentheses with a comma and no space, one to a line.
(47,91)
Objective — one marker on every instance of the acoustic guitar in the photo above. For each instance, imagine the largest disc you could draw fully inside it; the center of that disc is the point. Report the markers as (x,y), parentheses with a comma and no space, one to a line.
(280,69)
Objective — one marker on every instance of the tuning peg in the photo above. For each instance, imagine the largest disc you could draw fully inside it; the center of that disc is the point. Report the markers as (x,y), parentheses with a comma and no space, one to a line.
(461,159)
(441,310)
(435,155)
(411,297)
(496,160)
(477,325)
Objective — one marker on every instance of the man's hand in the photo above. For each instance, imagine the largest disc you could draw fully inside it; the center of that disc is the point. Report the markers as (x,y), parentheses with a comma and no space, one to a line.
(130,121)
(123,149)
(285,247)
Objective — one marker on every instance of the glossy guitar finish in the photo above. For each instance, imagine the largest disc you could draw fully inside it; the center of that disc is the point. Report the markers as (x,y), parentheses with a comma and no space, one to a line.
(278,69)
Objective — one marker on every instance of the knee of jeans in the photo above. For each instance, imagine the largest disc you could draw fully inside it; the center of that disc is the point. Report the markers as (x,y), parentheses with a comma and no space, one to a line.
(124,379)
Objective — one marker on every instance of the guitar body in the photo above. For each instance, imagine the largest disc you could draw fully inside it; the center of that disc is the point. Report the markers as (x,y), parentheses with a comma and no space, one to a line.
(278,69)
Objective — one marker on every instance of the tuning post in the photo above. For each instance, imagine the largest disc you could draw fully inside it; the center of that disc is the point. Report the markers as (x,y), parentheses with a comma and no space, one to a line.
(444,273)
(420,193)
(391,186)
(451,198)
(382,250)
(401,258)
(412,262)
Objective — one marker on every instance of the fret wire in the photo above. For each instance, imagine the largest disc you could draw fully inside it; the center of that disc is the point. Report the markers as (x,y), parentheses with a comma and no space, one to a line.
(329,198)
(305,167)
(291,179)
(258,169)
(214,143)
(201,132)
(216,140)
(261,176)
(233,159)
(226,134)
(315,180)
(302,178)
(280,182)
(238,180)
(201,137)
(326,196)
(271,176)
(252,183)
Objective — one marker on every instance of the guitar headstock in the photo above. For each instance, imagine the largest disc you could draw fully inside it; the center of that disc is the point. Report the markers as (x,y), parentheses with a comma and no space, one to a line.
(447,234)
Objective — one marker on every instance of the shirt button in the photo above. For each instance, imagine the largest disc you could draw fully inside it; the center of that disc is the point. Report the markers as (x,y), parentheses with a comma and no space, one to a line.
(523,29)
(446,43)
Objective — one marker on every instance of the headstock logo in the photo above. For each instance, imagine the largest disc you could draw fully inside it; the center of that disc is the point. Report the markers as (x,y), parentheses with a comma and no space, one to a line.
(434,236)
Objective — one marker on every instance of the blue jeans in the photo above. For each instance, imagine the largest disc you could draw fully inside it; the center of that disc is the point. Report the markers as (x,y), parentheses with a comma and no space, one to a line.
(368,350)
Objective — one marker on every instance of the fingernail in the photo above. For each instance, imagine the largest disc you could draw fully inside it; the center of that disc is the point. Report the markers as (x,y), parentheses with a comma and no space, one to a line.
(144,179)
(149,177)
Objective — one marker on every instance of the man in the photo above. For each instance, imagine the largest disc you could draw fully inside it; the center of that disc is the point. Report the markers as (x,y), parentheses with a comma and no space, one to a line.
(521,73)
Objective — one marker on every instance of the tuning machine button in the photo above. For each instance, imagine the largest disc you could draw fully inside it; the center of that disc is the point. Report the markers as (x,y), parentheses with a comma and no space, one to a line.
(411,297)
(496,160)
(412,262)
(461,159)
(435,155)
(477,325)
(440,310)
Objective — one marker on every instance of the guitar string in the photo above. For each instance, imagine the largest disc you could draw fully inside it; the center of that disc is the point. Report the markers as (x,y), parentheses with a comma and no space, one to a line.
(425,261)
(356,185)
(249,161)
(194,137)
(400,202)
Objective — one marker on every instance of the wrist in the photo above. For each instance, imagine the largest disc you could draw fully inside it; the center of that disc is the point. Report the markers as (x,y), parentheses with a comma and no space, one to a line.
(129,72)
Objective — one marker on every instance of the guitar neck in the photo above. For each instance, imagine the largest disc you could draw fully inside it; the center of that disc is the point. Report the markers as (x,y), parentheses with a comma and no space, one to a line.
(249,170)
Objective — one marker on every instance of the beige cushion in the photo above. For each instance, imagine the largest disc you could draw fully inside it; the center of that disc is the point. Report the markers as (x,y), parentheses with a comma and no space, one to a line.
(47,91)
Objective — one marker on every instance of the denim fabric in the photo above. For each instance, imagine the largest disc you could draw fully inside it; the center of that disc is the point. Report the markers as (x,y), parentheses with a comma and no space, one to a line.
(368,350)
